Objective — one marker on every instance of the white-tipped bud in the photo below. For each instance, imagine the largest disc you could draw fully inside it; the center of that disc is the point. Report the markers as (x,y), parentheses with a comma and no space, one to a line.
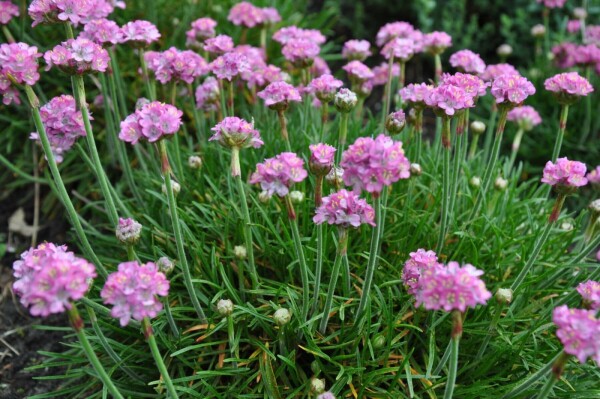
(195,162)
(538,31)
(504,296)
(297,196)
(128,231)
(165,265)
(594,206)
(345,100)
(477,127)
(416,169)
(317,385)
(500,183)
(580,13)
(240,252)
(282,316)
(176,188)
(225,307)
(566,226)
(535,73)
(264,197)
(395,122)
(335,176)
(141,102)
(504,50)
(475,182)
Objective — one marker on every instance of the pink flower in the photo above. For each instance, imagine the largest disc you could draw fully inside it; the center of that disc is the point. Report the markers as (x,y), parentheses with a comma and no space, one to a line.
(277,95)
(8,10)
(139,34)
(401,49)
(134,291)
(381,73)
(174,64)
(319,67)
(321,158)
(568,87)
(77,56)
(229,65)
(393,30)
(324,87)
(103,32)
(300,52)
(63,124)
(467,61)
(262,75)
(565,173)
(152,121)
(56,11)
(395,122)
(416,93)
(587,55)
(451,287)
(414,267)
(101,9)
(358,72)
(207,94)
(19,61)
(270,15)
(436,42)
(245,14)
(202,29)
(492,72)
(284,35)
(471,84)
(369,164)
(356,50)
(220,44)
(128,231)
(276,175)
(447,99)
(594,175)
(48,278)
(235,132)
(344,209)
(526,117)
(565,54)
(578,331)
(590,293)
(553,4)
(511,89)
(592,34)
(574,26)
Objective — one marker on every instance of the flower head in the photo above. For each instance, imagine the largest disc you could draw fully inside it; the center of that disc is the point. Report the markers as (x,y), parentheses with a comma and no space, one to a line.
(395,122)
(451,287)
(103,32)
(8,10)
(578,331)
(134,291)
(284,35)
(344,209)
(553,4)
(48,278)
(207,94)
(590,293)
(237,133)
(229,65)
(77,56)
(568,87)
(415,94)
(494,71)
(175,65)
(246,14)
(381,73)
(128,231)
(447,99)
(356,50)
(324,87)
(594,175)
(300,52)
(321,158)
(436,42)
(57,11)
(358,72)
(467,61)
(276,175)
(345,100)
(471,84)
(565,173)
(511,90)
(18,62)
(369,164)
(393,30)
(201,29)
(414,267)
(152,122)
(277,95)
(402,49)
(220,44)
(526,117)
(140,34)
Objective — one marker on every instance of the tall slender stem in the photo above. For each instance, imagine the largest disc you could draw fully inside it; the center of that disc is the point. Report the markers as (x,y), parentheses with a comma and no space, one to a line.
(300,255)
(489,133)
(387,92)
(340,253)
(438,68)
(284,131)
(149,335)
(150,88)
(515,148)
(230,105)
(587,122)
(116,80)
(320,243)
(418,134)
(492,330)
(9,37)
(187,277)
(446,189)
(525,385)
(562,125)
(342,134)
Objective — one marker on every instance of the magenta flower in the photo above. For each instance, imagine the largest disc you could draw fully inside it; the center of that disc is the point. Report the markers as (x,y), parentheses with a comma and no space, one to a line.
(436,42)
(586,55)
(207,94)
(344,209)
(492,72)
(140,34)
(321,158)
(134,291)
(56,11)
(277,95)
(246,14)
(526,117)
(284,35)
(565,173)
(276,175)
(152,122)
(511,90)
(401,49)
(393,30)
(416,93)
(103,32)
(270,15)
(201,29)
(48,278)
(229,65)
(358,72)
(77,56)
(590,293)
(414,267)
(471,84)
(262,75)
(235,132)
(565,54)
(324,87)
(553,4)
(467,61)
(356,50)
(8,10)
(381,73)
(451,287)
(63,124)
(592,34)
(220,44)
(447,99)
(369,164)
(175,65)
(578,331)
(19,61)
(594,175)
(568,87)
(573,26)
(300,52)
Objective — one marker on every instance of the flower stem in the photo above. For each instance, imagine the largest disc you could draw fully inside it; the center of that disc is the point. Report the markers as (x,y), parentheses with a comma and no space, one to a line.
(9,36)
(587,122)
(341,252)
(492,330)
(453,361)
(149,335)
(342,134)
(487,144)
(562,125)
(77,324)
(387,92)
(533,378)
(438,68)
(230,101)
(150,88)
(284,131)
(233,347)
(446,190)
(116,81)
(187,277)
(320,244)
(418,134)
(515,148)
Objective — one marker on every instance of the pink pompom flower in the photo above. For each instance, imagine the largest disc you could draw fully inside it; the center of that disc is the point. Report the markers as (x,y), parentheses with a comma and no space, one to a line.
(356,50)
(467,61)
(234,132)
(58,11)
(48,278)
(451,287)
(230,65)
(276,175)
(78,56)
(18,63)
(284,35)
(436,42)
(270,15)
(494,71)
(207,94)
(370,164)
(133,291)
(246,14)
(415,94)
(594,175)
(381,73)
(526,117)
(103,32)
(590,293)
(578,331)
(393,30)
(414,267)
(139,34)
(553,4)
(321,158)
(8,11)
(446,100)
(402,49)
(344,209)
(358,73)
(201,29)
(301,52)
(568,87)
(277,95)
(152,122)
(175,65)
(325,87)
(511,90)
(220,44)
(471,84)
(565,174)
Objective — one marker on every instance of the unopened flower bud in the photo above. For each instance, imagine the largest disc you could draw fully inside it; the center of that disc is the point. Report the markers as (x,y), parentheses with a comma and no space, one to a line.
(594,207)
(500,184)
(580,13)
(282,316)
(415,169)
(598,256)
(141,102)
(128,231)
(345,100)
(326,395)
(174,185)
(165,265)
(379,341)
(535,73)
(475,181)
(566,226)
(317,385)
(240,252)
(477,127)
(538,31)
(335,176)
(225,307)
(195,162)
(504,296)
(297,196)
(411,116)
(504,50)
(395,122)
(264,197)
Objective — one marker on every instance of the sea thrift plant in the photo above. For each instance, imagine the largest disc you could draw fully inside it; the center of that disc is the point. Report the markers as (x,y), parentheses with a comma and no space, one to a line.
(246,14)
(511,90)
(526,117)
(467,61)
(18,64)
(8,11)
(139,34)
(208,94)
(300,52)
(201,29)
(321,158)
(276,175)
(436,42)
(414,267)
(229,65)
(494,71)
(358,72)
(344,209)
(358,50)
(565,174)
(577,330)
(325,87)
(284,35)
(176,65)
(219,44)
(78,56)
(233,132)
(128,231)
(278,95)
(151,122)
(590,294)
(103,32)
(568,87)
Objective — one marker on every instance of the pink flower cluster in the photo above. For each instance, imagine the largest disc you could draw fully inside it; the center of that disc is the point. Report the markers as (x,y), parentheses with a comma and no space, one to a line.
(590,293)
(565,173)
(451,287)
(399,29)
(230,65)
(356,50)
(151,122)
(202,29)
(344,209)
(54,11)
(237,133)
(592,34)
(134,291)
(284,35)
(402,49)
(207,94)
(48,278)
(471,84)
(552,3)
(447,99)
(103,32)
(358,72)
(19,61)
(140,34)
(436,42)
(301,52)
(568,87)
(494,71)
(416,93)
(369,164)
(594,175)
(525,116)
(219,44)
(276,175)
(277,95)
(511,90)
(414,267)
(8,10)
(381,73)
(324,87)
(128,231)
(174,64)
(249,16)
(578,331)
(77,56)
(568,55)
(63,124)
(467,61)
(321,158)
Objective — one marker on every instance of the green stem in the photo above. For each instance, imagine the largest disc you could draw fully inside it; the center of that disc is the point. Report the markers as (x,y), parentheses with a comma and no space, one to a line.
(319,266)
(149,335)
(446,189)
(515,148)
(196,115)
(454,349)
(301,258)
(489,133)
(77,324)
(341,251)
(233,347)
(116,80)
(547,388)
(473,147)
(562,125)
(438,68)
(418,134)
(150,88)
(231,106)
(587,123)
(387,92)
(284,130)
(492,331)
(342,134)
(524,386)
(9,37)
(187,277)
